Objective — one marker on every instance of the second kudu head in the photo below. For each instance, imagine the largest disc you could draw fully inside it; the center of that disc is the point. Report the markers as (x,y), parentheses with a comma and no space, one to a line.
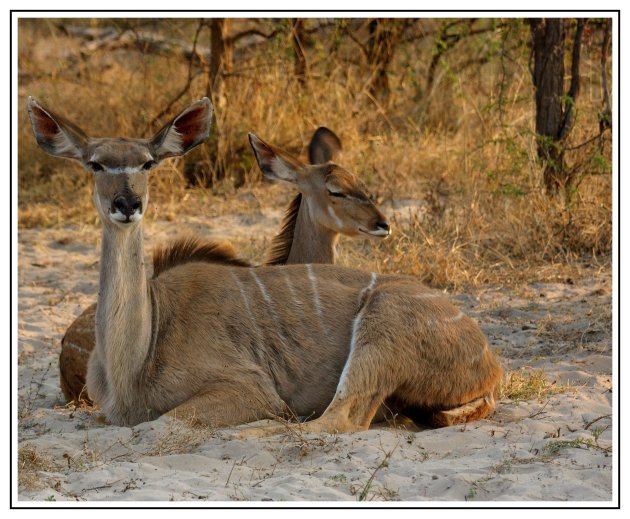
(336,198)
(120,165)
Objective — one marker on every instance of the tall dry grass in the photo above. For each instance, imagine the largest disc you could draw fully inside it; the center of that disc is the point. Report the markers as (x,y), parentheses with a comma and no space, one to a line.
(462,152)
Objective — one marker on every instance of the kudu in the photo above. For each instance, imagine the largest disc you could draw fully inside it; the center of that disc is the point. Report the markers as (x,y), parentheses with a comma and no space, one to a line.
(215,341)
(331,201)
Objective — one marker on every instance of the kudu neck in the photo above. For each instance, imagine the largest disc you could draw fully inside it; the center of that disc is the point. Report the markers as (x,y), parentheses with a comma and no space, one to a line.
(312,242)
(123,316)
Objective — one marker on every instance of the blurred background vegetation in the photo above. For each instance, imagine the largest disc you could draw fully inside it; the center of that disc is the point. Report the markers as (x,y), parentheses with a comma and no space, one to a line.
(489,137)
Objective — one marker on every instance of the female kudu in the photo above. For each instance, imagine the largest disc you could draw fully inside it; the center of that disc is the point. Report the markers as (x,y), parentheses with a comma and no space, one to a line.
(310,230)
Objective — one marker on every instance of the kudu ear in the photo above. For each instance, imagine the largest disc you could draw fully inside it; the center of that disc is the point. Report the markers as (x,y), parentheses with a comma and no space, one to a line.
(54,134)
(324,146)
(275,164)
(182,134)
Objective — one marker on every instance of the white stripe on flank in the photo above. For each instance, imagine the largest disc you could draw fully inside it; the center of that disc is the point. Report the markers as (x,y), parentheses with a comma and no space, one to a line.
(73,346)
(313,279)
(247,305)
(267,298)
(456,317)
(287,279)
(316,300)
(262,287)
(368,288)
(428,295)
(341,389)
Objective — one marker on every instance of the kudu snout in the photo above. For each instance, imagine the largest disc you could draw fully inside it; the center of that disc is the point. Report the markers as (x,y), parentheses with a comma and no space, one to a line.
(383,226)
(379,226)
(128,205)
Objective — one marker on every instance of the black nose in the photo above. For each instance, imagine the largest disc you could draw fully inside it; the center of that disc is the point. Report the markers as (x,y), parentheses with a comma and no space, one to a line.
(383,226)
(127,204)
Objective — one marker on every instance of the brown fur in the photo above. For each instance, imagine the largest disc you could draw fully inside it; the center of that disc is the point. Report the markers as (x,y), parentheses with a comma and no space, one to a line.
(79,339)
(334,202)
(227,344)
(300,240)
(192,249)
(76,346)
(282,242)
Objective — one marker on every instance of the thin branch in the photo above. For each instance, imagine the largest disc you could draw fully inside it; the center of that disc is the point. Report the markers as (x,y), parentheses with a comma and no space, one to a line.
(251,32)
(606,117)
(186,87)
(574,88)
(362,47)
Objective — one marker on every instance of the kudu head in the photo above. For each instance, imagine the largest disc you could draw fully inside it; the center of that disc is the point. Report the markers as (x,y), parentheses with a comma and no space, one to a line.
(336,198)
(120,165)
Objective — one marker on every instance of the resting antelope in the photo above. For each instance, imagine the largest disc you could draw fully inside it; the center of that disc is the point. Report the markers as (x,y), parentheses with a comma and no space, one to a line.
(223,343)
(331,201)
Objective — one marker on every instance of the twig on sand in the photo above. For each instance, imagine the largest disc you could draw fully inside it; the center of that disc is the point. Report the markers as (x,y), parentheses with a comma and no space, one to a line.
(540,411)
(587,425)
(384,463)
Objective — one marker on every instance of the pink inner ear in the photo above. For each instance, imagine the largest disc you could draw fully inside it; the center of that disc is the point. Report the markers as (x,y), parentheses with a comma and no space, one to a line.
(192,126)
(46,126)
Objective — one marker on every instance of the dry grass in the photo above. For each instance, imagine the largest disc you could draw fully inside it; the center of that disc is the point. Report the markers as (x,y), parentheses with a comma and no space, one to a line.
(30,463)
(463,151)
(180,436)
(530,384)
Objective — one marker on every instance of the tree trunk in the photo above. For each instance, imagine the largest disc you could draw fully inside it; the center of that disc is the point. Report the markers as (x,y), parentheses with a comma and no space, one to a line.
(384,38)
(204,165)
(605,118)
(555,111)
(548,75)
(297,41)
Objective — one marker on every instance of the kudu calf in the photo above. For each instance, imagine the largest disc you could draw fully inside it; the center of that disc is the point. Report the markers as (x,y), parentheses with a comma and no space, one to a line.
(331,201)
(210,339)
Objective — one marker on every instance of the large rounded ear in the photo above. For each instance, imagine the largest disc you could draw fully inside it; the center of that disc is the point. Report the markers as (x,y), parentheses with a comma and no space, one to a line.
(184,132)
(56,135)
(274,163)
(324,146)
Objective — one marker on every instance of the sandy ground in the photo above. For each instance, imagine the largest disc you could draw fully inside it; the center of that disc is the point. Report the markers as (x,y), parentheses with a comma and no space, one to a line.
(553,448)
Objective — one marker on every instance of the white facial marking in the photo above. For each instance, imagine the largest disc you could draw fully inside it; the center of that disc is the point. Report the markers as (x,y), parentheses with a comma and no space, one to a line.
(378,232)
(123,170)
(117,216)
(335,218)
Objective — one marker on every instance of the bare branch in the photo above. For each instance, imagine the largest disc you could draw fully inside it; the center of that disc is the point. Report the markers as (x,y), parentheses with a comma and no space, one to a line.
(186,87)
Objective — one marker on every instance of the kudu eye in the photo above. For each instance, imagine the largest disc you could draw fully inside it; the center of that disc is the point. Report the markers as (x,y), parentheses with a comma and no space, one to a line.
(334,193)
(95,166)
(148,165)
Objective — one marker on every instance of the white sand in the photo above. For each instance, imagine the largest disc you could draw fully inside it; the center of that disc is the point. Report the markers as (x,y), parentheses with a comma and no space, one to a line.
(550,449)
